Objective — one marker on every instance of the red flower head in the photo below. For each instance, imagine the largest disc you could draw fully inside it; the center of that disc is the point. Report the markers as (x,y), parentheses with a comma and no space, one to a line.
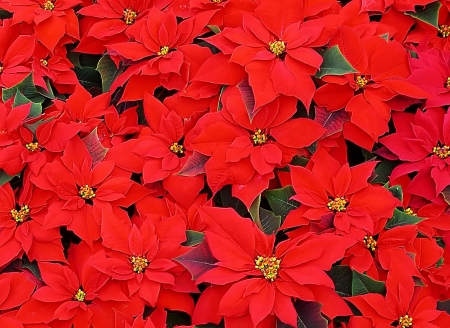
(262,279)
(338,197)
(426,150)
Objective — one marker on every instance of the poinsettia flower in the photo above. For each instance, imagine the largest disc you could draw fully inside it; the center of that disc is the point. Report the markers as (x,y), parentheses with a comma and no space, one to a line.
(11,121)
(426,150)
(21,228)
(15,55)
(400,5)
(404,305)
(265,278)
(75,294)
(378,250)
(117,126)
(15,290)
(156,320)
(369,96)
(431,73)
(339,197)
(85,185)
(250,147)
(57,17)
(277,54)
(431,35)
(169,53)
(55,67)
(143,261)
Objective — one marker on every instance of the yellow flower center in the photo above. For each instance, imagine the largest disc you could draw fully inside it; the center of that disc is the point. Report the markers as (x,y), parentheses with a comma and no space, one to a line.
(80,295)
(176,148)
(44,62)
(164,51)
(139,263)
(259,137)
(1,68)
(129,16)
(216,1)
(441,151)
(447,84)
(338,204)
(361,81)
(32,146)
(277,47)
(86,192)
(370,242)
(21,215)
(48,5)
(409,211)
(268,265)
(444,30)
(405,322)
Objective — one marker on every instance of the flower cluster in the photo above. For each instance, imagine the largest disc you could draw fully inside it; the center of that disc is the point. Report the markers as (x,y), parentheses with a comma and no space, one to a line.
(224,163)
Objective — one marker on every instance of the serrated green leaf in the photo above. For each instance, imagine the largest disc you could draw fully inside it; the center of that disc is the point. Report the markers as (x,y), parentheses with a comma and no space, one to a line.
(193,238)
(396,191)
(428,15)
(27,88)
(35,109)
(88,77)
(46,93)
(5,178)
(280,202)
(383,171)
(334,63)
(342,279)
(401,219)
(363,284)
(107,70)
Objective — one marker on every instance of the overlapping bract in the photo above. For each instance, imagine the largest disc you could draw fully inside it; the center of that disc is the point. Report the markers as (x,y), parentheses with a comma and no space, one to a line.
(230,163)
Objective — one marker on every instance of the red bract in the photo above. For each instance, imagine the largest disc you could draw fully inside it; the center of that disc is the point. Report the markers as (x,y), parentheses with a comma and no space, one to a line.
(55,21)
(425,151)
(15,55)
(338,197)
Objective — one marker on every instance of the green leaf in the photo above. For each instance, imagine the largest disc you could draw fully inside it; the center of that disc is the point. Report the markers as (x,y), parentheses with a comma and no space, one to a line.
(27,88)
(334,63)
(214,28)
(46,93)
(35,109)
(401,219)
(383,171)
(446,194)
(299,161)
(5,14)
(94,147)
(444,306)
(227,200)
(396,191)
(5,178)
(428,15)
(88,77)
(107,70)
(193,238)
(176,318)
(268,222)
(363,284)
(280,202)
(342,279)
(220,105)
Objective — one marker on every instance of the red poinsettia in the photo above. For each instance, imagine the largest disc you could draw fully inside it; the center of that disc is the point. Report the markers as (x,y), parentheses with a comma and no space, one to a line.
(143,259)
(370,95)
(338,197)
(75,295)
(21,227)
(426,150)
(260,280)
(277,53)
(55,21)
(243,146)
(15,54)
